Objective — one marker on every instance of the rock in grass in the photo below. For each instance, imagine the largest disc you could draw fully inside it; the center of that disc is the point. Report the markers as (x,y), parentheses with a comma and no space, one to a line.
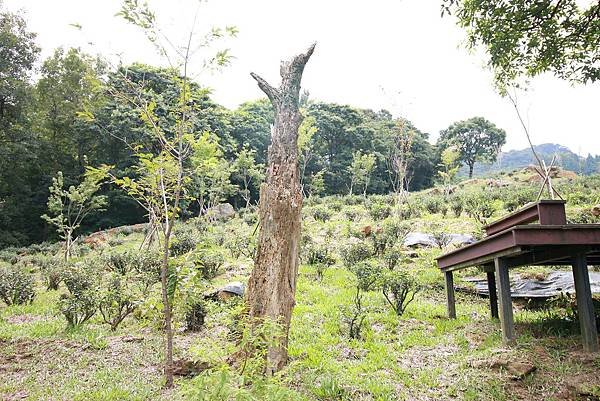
(222,211)
(417,239)
(234,289)
(187,368)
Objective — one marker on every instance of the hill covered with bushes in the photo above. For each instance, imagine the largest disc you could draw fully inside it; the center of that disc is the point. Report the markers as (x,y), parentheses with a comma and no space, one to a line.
(518,159)
(369,323)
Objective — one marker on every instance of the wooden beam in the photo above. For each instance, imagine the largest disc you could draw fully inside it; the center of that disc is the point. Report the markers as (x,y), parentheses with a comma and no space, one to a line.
(544,255)
(505,302)
(451,301)
(491,282)
(585,306)
(483,260)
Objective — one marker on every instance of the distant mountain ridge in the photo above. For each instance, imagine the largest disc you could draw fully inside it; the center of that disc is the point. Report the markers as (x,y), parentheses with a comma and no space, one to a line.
(518,159)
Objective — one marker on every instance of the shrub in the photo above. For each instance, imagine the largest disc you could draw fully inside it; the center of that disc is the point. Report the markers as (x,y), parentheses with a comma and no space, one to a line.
(480,207)
(367,278)
(208,263)
(356,252)
(195,315)
(319,256)
(395,230)
(321,213)
(124,286)
(241,245)
(9,255)
(444,209)
(583,216)
(82,281)
(336,204)
(379,210)
(433,204)
(353,200)
(79,308)
(410,209)
(185,240)
(457,205)
(16,285)
(51,270)
(353,212)
(399,290)
(250,216)
(517,198)
(117,300)
(116,240)
(392,257)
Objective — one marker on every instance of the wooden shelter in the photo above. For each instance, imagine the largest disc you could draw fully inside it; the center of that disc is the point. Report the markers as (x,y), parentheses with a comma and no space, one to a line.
(513,242)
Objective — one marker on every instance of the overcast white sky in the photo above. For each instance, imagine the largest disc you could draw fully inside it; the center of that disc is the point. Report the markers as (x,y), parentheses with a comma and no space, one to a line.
(394,54)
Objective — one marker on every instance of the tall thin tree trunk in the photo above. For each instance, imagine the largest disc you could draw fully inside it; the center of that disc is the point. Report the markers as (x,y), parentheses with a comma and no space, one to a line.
(272,284)
(164,278)
(471,170)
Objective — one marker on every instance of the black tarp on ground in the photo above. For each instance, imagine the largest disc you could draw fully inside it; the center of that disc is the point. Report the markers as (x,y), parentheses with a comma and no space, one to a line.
(553,284)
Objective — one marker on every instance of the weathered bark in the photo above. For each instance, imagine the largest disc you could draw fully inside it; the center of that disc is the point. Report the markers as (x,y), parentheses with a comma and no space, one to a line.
(272,285)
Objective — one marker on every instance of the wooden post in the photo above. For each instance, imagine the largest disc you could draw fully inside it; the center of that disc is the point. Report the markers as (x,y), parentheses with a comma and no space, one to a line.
(451,301)
(585,306)
(505,302)
(491,282)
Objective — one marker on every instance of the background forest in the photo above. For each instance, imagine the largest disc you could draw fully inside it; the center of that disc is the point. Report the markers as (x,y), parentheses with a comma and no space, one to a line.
(63,114)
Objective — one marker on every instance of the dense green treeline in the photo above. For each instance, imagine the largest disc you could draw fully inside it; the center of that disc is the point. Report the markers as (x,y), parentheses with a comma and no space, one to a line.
(77,113)
(72,111)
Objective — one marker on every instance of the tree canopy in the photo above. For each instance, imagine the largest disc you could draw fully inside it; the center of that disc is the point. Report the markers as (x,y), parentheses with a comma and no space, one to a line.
(477,139)
(524,38)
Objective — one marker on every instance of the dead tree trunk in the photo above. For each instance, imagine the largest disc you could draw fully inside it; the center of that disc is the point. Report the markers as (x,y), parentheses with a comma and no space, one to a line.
(272,285)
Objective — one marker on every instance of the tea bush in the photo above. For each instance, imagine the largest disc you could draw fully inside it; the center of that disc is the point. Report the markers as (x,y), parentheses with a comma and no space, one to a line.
(241,244)
(82,281)
(480,206)
(515,198)
(185,240)
(353,212)
(17,285)
(379,210)
(78,309)
(399,290)
(432,204)
(366,278)
(321,213)
(457,205)
(391,257)
(9,255)
(355,252)
(319,256)
(209,263)
(118,298)
(195,315)
(51,270)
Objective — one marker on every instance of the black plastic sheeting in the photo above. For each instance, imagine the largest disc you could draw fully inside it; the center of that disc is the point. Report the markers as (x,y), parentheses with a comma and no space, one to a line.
(553,284)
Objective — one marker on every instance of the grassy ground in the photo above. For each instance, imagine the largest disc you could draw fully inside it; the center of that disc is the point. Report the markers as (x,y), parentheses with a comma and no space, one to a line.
(421,355)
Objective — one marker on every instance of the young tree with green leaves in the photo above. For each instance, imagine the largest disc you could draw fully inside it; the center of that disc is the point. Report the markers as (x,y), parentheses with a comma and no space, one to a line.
(247,172)
(306,132)
(361,169)
(476,139)
(449,166)
(316,185)
(163,173)
(211,173)
(68,207)
(399,157)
